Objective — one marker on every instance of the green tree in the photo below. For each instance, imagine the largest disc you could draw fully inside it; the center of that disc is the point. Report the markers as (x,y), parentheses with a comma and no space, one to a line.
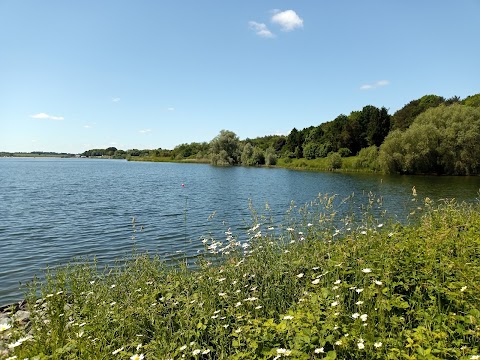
(225,149)
(442,140)
(310,150)
(258,156)
(294,143)
(270,156)
(404,117)
(378,125)
(247,155)
(472,100)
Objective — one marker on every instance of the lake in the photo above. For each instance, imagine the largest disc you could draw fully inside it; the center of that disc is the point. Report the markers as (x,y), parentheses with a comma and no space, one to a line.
(53,210)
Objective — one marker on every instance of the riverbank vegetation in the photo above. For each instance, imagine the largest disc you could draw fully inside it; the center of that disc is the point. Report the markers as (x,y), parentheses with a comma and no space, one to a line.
(430,135)
(318,286)
(36,154)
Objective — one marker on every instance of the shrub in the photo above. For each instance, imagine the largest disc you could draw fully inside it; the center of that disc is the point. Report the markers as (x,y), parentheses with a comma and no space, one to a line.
(367,158)
(344,152)
(334,160)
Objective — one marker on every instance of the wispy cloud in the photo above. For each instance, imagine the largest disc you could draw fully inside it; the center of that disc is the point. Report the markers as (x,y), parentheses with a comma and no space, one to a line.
(260,29)
(171,109)
(288,20)
(374,85)
(87,126)
(144,131)
(46,116)
(116,99)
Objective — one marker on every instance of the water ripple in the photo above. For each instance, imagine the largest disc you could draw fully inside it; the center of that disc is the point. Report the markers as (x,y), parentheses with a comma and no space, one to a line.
(55,210)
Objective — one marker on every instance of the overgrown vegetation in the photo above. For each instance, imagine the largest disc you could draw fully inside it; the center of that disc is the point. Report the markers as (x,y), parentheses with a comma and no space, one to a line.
(442,140)
(322,285)
(402,138)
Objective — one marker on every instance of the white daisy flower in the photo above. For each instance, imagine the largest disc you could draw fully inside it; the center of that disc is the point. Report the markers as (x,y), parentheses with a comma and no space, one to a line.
(115,352)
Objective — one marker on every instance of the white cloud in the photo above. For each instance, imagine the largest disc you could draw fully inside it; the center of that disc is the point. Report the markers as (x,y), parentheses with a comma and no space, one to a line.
(115,99)
(46,116)
(260,29)
(171,109)
(288,20)
(375,85)
(144,131)
(87,126)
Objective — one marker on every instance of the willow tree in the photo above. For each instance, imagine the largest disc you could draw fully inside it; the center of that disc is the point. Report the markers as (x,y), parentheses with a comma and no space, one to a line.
(442,140)
(225,149)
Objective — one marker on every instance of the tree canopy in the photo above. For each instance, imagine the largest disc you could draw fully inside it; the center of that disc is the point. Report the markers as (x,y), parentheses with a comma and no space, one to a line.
(412,140)
(442,140)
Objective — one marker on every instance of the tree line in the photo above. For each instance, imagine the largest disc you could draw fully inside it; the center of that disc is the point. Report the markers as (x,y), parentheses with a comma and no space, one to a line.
(431,134)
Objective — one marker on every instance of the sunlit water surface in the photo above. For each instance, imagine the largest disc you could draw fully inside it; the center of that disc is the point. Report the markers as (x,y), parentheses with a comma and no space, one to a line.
(54,210)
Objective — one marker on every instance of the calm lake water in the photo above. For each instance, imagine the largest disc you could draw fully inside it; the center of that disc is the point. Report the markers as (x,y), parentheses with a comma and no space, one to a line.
(54,210)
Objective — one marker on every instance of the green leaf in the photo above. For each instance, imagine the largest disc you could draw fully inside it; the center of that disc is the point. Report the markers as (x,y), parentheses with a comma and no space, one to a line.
(331,355)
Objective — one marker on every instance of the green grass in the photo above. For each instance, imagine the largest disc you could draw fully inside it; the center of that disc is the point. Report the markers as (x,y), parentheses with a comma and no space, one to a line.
(320,164)
(318,286)
(168,159)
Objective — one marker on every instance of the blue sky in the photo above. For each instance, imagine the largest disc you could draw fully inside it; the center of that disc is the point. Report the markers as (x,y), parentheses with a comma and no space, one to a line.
(76,75)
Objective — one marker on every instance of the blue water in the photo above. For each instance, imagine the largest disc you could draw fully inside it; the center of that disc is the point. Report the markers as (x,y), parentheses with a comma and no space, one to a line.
(54,210)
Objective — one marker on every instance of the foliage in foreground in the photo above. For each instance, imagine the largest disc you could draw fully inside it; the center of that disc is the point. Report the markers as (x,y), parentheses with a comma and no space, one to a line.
(318,287)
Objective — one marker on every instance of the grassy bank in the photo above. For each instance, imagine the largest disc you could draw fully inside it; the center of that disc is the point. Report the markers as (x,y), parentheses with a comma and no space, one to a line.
(320,164)
(314,287)
(168,159)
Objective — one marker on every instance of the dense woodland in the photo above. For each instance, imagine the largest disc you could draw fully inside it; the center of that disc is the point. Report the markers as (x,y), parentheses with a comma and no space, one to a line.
(428,135)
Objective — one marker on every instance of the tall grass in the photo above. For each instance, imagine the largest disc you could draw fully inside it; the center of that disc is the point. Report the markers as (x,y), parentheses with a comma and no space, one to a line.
(319,286)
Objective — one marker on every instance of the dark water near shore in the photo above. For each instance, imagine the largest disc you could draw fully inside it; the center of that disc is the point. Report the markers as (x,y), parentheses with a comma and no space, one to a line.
(52,210)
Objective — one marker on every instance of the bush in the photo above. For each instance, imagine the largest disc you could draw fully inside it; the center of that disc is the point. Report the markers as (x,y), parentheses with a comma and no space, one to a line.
(367,158)
(344,152)
(334,160)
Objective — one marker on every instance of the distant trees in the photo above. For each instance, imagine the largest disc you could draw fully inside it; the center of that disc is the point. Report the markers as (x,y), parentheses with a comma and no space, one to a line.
(412,140)
(194,149)
(442,140)
(404,117)
(346,134)
(473,100)
(115,153)
(226,149)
